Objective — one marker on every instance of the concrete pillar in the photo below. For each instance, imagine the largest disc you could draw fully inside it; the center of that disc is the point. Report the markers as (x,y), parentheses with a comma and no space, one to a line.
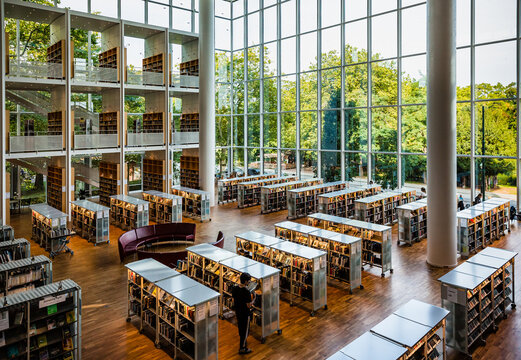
(207,98)
(441,133)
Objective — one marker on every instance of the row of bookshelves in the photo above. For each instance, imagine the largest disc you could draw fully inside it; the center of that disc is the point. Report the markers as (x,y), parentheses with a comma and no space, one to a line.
(344,252)
(376,239)
(381,208)
(14,249)
(274,196)
(304,201)
(164,208)
(42,323)
(181,312)
(50,229)
(478,293)
(25,274)
(414,331)
(412,221)
(196,203)
(221,270)
(91,221)
(227,188)
(302,268)
(128,212)
(342,202)
(249,192)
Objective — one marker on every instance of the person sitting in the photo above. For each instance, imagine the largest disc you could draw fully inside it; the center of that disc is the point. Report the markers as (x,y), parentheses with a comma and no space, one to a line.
(477,200)
(423,193)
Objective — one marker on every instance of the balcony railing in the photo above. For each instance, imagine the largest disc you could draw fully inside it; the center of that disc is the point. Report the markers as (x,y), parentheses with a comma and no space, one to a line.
(184,81)
(35,69)
(136,76)
(91,73)
(95,141)
(185,138)
(145,138)
(35,143)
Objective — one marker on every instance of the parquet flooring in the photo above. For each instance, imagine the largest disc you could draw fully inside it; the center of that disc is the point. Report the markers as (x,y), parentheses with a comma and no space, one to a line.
(106,334)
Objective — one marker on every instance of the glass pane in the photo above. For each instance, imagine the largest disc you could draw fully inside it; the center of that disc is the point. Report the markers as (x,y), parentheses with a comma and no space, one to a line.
(270,161)
(288,93)
(331,47)
(270,21)
(500,178)
(187,4)
(254,97)
(254,63)
(385,170)
(288,163)
(356,42)
(238,98)
(222,66)
(222,130)
(238,65)
(356,85)
(79,5)
(499,131)
(222,34)
(414,129)
(414,171)
(288,56)
(356,167)
(384,129)
(253,5)
(308,164)
(270,95)
(221,163)
(223,8)
(288,24)
(238,161)
(238,33)
(356,129)
(222,99)
(182,19)
(270,130)
(496,70)
(270,59)
(331,168)
(331,130)
(308,130)
(308,15)
(385,83)
(104,7)
(238,8)
(331,13)
(331,89)
(253,29)
(379,6)
(308,51)
(288,130)
(136,12)
(463,128)
(463,22)
(157,14)
(384,28)
(463,178)
(238,130)
(308,91)
(355,9)
(254,161)
(463,74)
(414,30)
(411,2)
(495,20)
(414,80)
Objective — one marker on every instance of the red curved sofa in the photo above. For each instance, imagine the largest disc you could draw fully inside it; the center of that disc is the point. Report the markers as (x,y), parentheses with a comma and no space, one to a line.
(129,241)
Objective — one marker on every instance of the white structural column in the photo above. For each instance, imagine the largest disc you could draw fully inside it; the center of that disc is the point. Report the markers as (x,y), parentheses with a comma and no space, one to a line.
(207,98)
(441,133)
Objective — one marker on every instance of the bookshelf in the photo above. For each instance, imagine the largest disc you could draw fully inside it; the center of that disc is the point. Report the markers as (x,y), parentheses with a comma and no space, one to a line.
(370,346)
(20,275)
(249,193)
(56,55)
(381,208)
(190,68)
(164,208)
(56,125)
(189,122)
(376,239)
(274,196)
(196,203)
(109,123)
(340,203)
(189,174)
(50,228)
(154,177)
(470,231)
(91,221)
(477,293)
(227,188)
(109,181)
(181,312)
(110,59)
(344,261)
(128,212)
(43,323)
(154,63)
(15,249)
(412,222)
(57,187)
(154,122)
(255,245)
(6,232)
(304,201)
(503,215)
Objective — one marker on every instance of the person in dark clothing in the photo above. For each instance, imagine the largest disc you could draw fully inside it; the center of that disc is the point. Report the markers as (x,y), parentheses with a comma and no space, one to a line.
(477,200)
(243,300)
(461,203)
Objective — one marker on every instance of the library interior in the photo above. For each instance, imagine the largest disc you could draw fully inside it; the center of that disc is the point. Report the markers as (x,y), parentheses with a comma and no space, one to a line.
(260,179)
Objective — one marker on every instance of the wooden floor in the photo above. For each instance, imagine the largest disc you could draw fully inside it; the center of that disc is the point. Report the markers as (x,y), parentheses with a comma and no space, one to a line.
(106,334)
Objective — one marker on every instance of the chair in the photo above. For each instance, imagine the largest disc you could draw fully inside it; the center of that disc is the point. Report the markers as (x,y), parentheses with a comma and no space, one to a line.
(220,240)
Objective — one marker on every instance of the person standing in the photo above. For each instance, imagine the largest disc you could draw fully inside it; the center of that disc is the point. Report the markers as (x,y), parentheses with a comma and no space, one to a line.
(242,301)
(423,193)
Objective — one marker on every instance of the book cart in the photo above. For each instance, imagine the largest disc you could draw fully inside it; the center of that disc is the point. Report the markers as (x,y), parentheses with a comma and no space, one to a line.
(15,249)
(128,212)
(42,323)
(24,274)
(274,196)
(304,201)
(50,229)
(412,222)
(470,231)
(376,239)
(249,193)
(91,221)
(477,293)
(164,208)
(196,203)
(227,188)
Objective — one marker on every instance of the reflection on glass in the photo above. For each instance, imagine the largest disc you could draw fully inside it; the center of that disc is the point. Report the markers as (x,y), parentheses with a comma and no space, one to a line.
(356,129)
(331,130)
(308,130)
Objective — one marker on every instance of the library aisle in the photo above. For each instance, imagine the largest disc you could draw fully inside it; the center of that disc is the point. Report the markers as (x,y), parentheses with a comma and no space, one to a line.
(107,335)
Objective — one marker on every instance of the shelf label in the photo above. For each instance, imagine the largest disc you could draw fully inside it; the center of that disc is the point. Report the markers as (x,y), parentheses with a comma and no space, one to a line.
(4,320)
(214,307)
(200,313)
(52,309)
(452,295)
(51,300)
